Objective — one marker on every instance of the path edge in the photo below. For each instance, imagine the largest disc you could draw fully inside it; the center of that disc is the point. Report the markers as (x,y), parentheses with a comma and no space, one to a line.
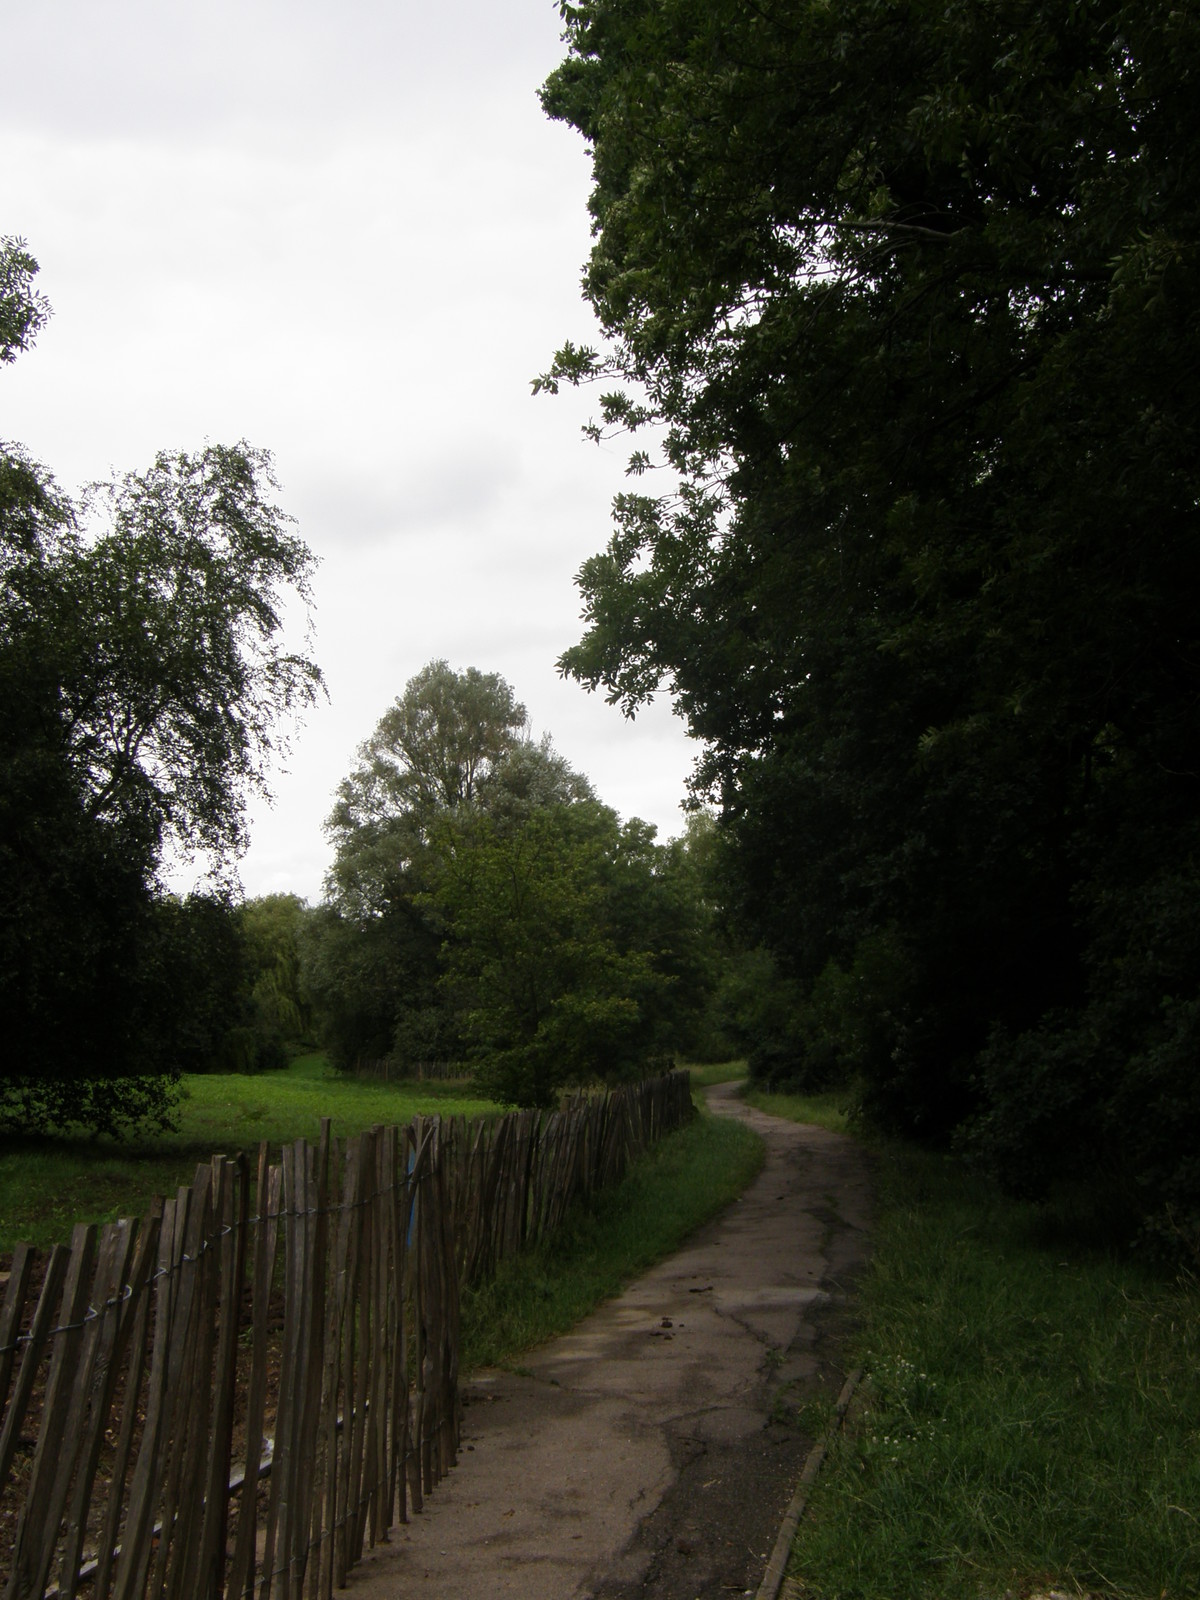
(773,1577)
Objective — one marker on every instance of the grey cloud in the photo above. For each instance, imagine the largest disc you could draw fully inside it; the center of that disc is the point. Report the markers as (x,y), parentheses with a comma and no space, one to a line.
(141,67)
(447,491)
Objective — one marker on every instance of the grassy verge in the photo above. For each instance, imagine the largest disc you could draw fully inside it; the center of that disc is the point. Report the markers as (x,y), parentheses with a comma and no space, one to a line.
(47,1185)
(669,1192)
(710,1072)
(1030,1419)
(827,1110)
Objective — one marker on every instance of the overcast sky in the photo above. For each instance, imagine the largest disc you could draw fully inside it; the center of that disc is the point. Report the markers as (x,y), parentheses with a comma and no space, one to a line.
(346,233)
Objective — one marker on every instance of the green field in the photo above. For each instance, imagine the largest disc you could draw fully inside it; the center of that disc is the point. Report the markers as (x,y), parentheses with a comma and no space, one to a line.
(47,1185)
(604,1242)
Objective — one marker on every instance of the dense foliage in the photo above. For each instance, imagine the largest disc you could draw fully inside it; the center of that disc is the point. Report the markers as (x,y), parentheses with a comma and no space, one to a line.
(914,294)
(142,680)
(485,909)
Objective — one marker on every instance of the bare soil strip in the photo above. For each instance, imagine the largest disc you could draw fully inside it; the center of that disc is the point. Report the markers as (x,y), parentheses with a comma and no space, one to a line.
(653,1451)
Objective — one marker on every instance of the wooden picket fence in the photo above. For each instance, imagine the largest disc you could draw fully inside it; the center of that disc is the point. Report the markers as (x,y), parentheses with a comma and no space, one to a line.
(239,1393)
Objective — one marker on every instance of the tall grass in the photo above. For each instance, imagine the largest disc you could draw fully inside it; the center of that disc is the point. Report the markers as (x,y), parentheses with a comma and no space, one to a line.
(1031,1416)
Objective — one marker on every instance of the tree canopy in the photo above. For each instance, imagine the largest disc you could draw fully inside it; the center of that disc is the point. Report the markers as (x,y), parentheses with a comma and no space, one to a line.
(550,991)
(142,685)
(23,312)
(484,907)
(433,747)
(452,740)
(912,294)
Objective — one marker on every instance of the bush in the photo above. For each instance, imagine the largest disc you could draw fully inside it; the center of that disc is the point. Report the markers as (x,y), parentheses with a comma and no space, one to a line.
(116,1106)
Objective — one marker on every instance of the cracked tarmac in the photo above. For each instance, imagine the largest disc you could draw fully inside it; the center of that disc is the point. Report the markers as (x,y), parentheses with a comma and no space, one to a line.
(652,1451)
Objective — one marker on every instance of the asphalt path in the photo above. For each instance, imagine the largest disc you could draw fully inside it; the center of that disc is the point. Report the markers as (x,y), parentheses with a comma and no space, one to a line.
(652,1451)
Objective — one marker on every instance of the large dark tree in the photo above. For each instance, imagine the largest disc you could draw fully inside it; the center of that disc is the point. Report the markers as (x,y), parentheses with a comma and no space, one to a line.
(914,294)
